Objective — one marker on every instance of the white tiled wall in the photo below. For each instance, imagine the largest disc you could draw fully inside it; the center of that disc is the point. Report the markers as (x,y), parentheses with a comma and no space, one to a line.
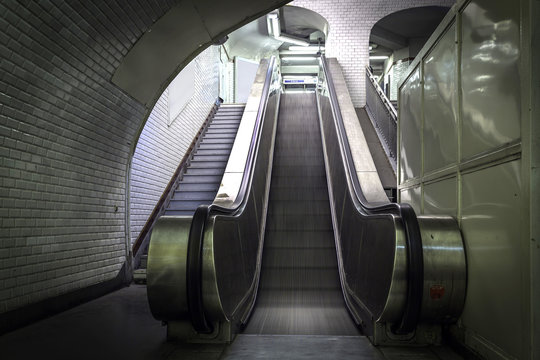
(65,142)
(161,148)
(350,23)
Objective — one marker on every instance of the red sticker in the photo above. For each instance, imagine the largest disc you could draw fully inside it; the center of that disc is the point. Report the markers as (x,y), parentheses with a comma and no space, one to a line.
(436,292)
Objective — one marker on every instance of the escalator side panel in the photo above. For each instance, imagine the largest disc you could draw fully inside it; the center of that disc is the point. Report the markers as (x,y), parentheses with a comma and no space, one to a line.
(371,249)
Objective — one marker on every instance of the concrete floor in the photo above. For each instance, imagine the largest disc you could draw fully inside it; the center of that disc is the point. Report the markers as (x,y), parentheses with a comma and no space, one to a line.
(120,326)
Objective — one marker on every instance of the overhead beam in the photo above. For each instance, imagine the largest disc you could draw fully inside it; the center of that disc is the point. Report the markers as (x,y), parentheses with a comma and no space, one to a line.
(387,38)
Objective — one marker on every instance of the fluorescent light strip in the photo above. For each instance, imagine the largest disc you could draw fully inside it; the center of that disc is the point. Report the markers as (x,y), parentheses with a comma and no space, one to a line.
(305,48)
(298,58)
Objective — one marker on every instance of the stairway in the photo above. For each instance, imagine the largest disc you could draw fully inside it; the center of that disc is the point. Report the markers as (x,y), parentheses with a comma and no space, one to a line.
(202,176)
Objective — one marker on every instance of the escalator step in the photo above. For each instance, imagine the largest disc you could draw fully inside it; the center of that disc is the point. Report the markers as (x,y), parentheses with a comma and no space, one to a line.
(194,195)
(210,158)
(295,207)
(198,179)
(228,140)
(298,222)
(199,187)
(219,136)
(205,171)
(210,152)
(205,146)
(198,164)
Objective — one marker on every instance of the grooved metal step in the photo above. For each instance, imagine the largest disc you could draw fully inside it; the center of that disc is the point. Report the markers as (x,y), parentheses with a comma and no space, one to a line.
(194,195)
(209,152)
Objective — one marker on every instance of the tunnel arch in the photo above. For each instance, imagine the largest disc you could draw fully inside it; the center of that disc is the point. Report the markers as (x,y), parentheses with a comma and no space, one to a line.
(396,39)
(68,131)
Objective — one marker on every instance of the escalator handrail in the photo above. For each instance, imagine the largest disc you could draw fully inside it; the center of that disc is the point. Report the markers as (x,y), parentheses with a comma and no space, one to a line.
(196,235)
(415,268)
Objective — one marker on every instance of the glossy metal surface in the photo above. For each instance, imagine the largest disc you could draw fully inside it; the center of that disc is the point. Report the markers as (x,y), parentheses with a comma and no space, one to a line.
(490,76)
(410,113)
(445,269)
(166,270)
(440,103)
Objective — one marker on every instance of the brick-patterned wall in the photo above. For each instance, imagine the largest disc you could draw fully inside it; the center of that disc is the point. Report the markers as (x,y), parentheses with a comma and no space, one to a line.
(65,141)
(350,23)
(160,147)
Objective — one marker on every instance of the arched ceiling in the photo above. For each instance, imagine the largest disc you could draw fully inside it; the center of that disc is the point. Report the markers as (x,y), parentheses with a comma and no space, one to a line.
(177,37)
(396,30)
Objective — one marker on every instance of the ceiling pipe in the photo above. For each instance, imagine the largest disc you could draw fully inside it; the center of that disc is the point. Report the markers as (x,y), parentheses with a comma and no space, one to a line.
(274,30)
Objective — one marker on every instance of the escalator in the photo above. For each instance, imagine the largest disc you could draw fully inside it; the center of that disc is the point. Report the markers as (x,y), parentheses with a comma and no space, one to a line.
(299,290)
(299,250)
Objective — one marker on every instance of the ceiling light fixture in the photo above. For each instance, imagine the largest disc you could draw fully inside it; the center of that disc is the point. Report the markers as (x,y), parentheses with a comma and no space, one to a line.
(314,49)
(298,58)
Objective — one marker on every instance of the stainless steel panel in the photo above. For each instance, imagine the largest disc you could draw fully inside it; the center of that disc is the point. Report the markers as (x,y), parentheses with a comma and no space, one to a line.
(491,215)
(440,103)
(166,269)
(445,269)
(410,117)
(491,81)
(440,198)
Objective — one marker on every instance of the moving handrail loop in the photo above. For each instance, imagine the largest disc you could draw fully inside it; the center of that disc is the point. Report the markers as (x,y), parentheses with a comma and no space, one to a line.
(415,263)
(202,214)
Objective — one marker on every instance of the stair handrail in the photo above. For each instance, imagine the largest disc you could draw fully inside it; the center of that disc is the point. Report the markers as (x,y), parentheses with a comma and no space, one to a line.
(383,116)
(382,95)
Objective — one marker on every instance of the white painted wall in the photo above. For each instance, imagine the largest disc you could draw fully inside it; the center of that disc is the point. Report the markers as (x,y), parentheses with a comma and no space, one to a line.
(244,71)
